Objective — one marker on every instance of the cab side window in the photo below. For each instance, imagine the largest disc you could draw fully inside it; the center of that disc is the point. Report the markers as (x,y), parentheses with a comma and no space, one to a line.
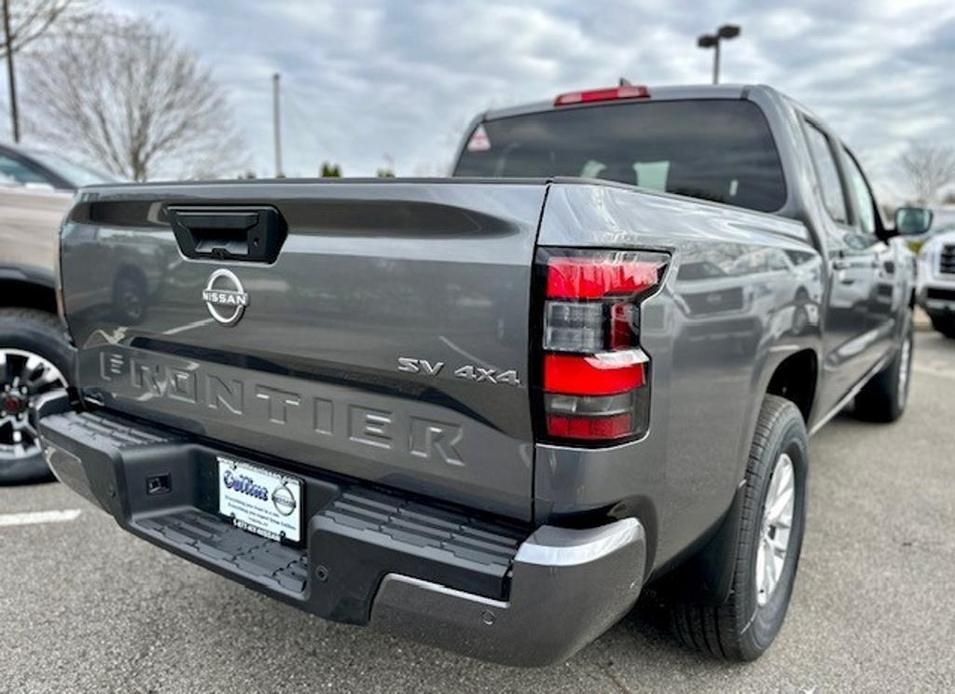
(830,184)
(865,205)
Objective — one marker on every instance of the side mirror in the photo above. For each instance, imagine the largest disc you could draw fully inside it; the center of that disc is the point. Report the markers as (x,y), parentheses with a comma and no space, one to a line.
(913,221)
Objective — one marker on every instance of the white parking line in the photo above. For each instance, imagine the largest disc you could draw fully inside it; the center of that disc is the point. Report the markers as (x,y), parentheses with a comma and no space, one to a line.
(35,517)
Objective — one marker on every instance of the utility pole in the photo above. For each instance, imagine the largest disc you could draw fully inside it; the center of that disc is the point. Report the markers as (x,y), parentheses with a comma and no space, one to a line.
(716,63)
(724,33)
(11,77)
(276,123)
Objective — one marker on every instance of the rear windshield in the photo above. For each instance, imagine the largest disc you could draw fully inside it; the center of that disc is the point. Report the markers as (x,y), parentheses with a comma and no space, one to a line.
(718,150)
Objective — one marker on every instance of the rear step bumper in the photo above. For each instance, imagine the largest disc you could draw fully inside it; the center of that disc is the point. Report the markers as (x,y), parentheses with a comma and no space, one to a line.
(423,571)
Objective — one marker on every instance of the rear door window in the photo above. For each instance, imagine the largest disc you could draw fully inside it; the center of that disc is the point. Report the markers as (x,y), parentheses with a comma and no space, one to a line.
(715,149)
(830,184)
(865,205)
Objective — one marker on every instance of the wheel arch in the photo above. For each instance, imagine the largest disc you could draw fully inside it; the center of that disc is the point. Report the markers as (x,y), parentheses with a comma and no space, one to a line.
(795,378)
(26,286)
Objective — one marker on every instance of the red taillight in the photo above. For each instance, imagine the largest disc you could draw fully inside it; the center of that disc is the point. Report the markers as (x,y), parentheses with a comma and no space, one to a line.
(595,278)
(590,428)
(627,91)
(595,372)
(576,374)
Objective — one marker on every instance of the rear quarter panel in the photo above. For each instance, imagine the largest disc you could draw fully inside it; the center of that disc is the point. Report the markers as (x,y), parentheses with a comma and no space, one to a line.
(710,365)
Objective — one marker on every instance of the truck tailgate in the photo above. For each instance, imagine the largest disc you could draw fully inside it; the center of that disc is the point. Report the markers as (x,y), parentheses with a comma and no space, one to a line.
(386,340)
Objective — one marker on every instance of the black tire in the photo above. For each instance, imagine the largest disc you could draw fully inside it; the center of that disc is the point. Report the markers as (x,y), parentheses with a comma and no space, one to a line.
(740,628)
(40,333)
(944,325)
(884,397)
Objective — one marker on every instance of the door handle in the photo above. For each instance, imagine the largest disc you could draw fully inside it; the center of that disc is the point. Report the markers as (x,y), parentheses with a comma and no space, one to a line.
(228,233)
(840,264)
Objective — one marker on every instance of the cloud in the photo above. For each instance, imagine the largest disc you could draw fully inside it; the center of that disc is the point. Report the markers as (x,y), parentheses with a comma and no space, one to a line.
(366,79)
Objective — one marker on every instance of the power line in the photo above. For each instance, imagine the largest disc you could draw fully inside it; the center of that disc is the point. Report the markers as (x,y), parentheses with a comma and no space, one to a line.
(303,124)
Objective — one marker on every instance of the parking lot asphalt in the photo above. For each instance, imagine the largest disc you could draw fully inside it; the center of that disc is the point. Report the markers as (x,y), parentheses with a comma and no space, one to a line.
(86,607)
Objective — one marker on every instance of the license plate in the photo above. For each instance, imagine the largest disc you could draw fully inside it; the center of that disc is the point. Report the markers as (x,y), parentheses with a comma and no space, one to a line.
(260,501)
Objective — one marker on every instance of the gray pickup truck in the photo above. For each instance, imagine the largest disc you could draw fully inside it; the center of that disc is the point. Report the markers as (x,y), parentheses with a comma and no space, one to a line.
(485,412)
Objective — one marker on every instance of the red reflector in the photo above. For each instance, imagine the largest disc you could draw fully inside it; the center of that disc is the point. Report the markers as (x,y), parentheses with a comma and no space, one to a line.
(629,91)
(571,277)
(579,375)
(612,427)
(622,329)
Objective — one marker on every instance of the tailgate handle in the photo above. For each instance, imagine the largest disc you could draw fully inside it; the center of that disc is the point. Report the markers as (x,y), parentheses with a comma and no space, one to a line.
(253,234)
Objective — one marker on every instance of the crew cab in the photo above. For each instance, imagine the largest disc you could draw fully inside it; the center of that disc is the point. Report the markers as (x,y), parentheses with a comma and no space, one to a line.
(485,412)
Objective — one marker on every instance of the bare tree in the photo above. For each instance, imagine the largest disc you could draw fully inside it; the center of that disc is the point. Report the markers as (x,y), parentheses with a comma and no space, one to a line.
(31,20)
(929,169)
(24,23)
(134,102)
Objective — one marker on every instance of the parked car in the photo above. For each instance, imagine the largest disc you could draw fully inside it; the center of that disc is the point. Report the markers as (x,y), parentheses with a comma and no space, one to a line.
(36,189)
(485,412)
(936,280)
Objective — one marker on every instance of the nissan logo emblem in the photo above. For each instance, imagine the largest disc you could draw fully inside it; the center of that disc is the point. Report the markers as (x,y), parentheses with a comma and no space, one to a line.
(225,297)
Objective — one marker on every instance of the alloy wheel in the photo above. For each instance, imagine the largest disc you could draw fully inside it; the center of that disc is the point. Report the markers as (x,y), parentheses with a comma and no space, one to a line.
(775,529)
(24,376)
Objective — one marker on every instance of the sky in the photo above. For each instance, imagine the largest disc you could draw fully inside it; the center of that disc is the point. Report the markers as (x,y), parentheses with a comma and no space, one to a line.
(373,83)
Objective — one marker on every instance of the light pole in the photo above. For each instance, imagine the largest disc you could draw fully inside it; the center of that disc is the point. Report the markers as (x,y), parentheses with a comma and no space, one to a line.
(277,126)
(11,75)
(724,33)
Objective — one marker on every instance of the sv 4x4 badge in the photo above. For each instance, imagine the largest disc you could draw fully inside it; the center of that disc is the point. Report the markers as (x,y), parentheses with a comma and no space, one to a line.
(468,372)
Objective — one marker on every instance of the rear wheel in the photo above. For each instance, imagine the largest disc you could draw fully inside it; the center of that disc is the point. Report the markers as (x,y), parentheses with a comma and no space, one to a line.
(34,360)
(768,544)
(944,325)
(884,397)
